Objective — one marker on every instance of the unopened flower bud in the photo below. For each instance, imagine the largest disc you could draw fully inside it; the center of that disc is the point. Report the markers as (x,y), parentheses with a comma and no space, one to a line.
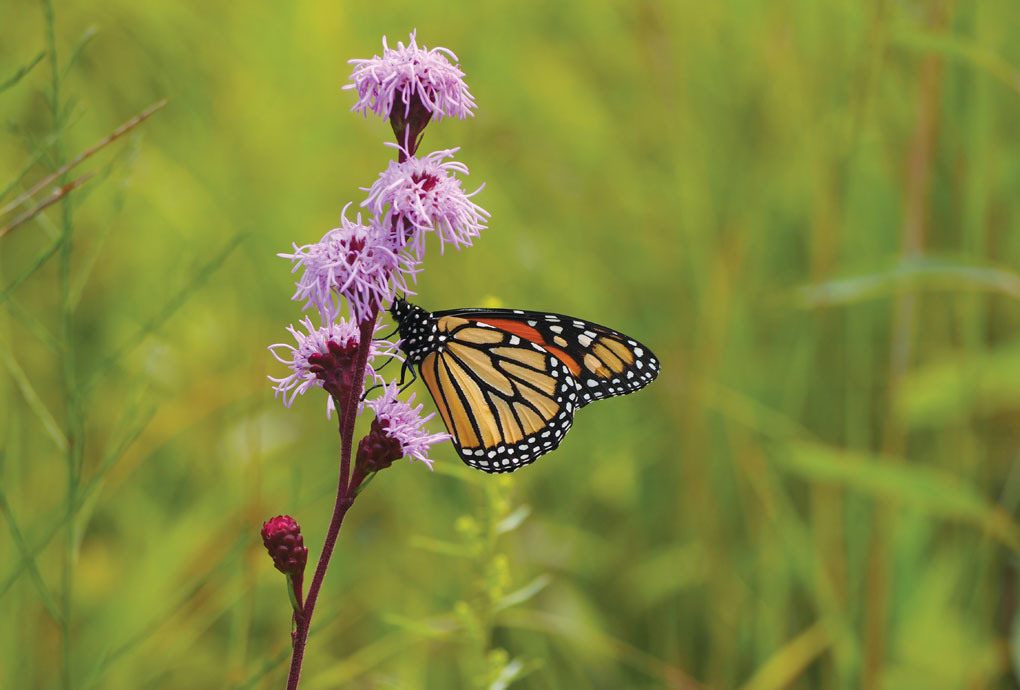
(283,540)
(335,368)
(378,450)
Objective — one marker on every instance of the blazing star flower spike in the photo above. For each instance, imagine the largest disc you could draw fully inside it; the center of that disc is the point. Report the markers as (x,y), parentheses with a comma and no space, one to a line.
(324,358)
(352,262)
(396,432)
(416,75)
(424,194)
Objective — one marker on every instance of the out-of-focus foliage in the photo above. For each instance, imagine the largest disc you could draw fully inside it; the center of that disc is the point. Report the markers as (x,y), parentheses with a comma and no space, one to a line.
(809,210)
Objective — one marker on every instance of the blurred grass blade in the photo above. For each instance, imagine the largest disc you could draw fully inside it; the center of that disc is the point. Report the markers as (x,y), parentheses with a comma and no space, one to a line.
(359,662)
(35,403)
(21,73)
(524,593)
(1014,645)
(36,156)
(33,325)
(271,664)
(513,520)
(99,145)
(750,413)
(98,243)
(979,384)
(77,49)
(926,273)
(53,198)
(787,664)
(433,629)
(163,314)
(32,268)
(662,574)
(507,675)
(665,675)
(923,488)
(963,49)
(446,548)
(28,559)
(515,670)
(84,493)
(460,471)
(187,593)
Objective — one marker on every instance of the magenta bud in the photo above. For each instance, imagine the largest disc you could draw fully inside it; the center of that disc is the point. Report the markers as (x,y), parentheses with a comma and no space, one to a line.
(283,540)
(335,369)
(378,450)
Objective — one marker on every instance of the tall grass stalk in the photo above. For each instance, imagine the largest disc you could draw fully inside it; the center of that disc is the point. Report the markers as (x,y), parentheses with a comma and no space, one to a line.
(75,428)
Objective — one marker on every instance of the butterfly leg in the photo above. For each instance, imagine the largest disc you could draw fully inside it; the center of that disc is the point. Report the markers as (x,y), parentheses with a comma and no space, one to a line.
(407,366)
(383,365)
(389,335)
(403,375)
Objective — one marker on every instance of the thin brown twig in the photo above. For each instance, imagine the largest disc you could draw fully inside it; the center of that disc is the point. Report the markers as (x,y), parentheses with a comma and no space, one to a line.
(57,195)
(116,134)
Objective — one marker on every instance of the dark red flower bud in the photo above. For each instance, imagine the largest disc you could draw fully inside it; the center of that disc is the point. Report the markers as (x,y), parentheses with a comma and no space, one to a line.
(283,540)
(378,450)
(336,368)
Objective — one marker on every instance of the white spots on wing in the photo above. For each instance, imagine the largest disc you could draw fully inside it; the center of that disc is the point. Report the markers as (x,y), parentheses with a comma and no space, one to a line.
(584,340)
(556,329)
(514,340)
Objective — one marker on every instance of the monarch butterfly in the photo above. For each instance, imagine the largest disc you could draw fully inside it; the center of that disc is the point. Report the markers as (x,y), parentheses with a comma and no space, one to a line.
(508,382)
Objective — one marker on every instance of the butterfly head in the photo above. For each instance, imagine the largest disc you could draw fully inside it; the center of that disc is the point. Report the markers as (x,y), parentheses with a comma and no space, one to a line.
(415,325)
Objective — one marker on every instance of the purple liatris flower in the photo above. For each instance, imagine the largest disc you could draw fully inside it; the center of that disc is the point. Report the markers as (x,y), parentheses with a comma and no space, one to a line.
(352,262)
(324,357)
(413,74)
(282,538)
(396,432)
(424,194)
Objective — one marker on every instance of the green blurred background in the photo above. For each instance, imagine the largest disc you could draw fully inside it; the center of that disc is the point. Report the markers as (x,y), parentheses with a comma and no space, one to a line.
(808,210)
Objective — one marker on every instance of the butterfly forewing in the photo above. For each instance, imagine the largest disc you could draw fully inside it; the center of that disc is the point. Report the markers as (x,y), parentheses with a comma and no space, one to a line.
(605,362)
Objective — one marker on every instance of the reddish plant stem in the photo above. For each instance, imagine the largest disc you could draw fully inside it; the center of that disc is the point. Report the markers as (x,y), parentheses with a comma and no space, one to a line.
(345,493)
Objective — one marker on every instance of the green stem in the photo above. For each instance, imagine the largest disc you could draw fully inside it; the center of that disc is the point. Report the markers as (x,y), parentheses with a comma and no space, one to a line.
(74,422)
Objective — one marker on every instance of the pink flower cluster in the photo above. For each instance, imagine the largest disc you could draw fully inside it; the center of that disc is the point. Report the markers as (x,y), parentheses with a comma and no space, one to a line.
(361,266)
(406,72)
